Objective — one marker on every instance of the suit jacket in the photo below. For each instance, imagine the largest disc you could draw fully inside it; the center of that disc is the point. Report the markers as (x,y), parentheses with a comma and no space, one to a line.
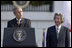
(24,23)
(62,41)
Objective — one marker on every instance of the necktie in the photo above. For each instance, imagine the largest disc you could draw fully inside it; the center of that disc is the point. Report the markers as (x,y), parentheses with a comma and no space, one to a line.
(19,22)
(57,32)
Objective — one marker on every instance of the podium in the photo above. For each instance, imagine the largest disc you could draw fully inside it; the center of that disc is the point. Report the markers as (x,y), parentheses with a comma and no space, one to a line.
(13,38)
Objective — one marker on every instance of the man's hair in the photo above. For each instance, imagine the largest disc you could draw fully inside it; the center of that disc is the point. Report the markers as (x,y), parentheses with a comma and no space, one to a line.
(15,9)
(59,14)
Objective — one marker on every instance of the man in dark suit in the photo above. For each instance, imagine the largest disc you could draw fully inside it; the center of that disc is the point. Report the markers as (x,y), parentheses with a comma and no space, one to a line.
(58,35)
(19,21)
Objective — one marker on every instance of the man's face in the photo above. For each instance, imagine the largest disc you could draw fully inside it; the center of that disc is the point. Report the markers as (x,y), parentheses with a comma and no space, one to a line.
(57,20)
(18,13)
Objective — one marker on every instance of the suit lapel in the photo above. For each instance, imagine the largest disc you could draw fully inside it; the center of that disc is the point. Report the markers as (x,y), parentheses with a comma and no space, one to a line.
(55,33)
(15,22)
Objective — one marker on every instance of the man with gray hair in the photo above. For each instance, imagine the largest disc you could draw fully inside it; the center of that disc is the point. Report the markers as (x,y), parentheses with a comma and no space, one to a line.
(58,35)
(19,21)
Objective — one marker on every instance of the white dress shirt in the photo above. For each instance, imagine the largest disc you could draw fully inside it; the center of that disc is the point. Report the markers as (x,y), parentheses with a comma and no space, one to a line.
(59,27)
(17,20)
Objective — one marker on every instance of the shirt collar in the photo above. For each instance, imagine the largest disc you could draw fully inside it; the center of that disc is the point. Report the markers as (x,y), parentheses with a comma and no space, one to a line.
(58,27)
(17,19)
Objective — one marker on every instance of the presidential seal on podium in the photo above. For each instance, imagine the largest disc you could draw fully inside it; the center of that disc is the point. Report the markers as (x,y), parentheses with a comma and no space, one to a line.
(19,35)
(22,4)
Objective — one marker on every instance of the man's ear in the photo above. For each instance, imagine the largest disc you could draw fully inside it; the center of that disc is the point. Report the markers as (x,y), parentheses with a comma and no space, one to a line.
(14,12)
